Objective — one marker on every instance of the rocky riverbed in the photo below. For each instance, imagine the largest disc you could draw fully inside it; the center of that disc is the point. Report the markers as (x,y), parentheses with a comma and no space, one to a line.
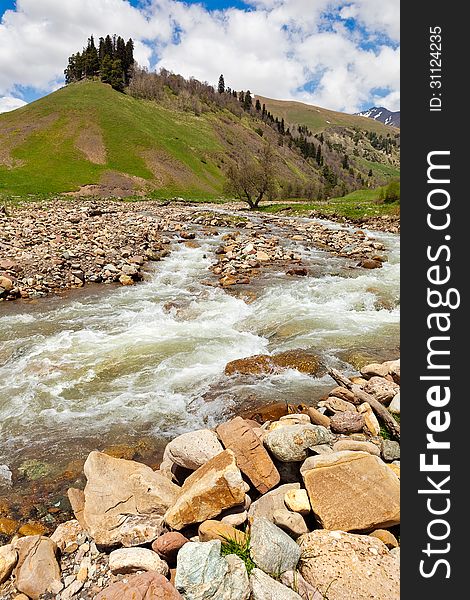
(48,248)
(304,504)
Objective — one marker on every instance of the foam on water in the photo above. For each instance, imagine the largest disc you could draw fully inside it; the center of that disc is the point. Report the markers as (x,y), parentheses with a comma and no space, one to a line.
(144,357)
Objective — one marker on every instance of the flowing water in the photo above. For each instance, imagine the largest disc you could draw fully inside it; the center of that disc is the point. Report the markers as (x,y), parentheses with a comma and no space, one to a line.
(148,361)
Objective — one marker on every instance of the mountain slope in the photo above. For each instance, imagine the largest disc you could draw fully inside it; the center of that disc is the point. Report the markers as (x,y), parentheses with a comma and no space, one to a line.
(87,138)
(382,115)
(318,119)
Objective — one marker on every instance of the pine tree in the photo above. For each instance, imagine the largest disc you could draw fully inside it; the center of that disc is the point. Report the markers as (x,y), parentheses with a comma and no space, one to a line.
(319,156)
(248,101)
(345,162)
(106,69)
(241,97)
(263,111)
(221,86)
(258,105)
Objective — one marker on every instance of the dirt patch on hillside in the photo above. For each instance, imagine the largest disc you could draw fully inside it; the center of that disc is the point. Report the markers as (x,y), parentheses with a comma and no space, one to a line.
(114,184)
(14,135)
(90,142)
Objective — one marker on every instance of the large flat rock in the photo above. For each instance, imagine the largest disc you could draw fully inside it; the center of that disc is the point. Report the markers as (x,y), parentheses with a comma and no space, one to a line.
(124,500)
(352,491)
(345,566)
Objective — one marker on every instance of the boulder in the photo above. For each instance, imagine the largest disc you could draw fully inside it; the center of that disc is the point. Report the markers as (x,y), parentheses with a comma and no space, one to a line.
(394,406)
(193,449)
(318,418)
(129,560)
(216,530)
(252,458)
(382,389)
(352,491)
(386,537)
(168,545)
(37,571)
(8,559)
(67,533)
(264,587)
(264,364)
(291,443)
(343,566)
(374,370)
(390,450)
(272,550)
(297,501)
(124,500)
(272,501)
(235,516)
(145,586)
(203,574)
(343,394)
(347,422)
(355,445)
(291,522)
(77,502)
(214,487)
(334,405)
(370,420)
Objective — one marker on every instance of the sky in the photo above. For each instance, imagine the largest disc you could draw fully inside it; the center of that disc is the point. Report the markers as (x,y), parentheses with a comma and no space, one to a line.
(339,54)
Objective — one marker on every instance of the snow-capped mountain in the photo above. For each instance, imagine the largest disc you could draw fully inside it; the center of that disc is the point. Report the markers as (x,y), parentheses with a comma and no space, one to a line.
(379,113)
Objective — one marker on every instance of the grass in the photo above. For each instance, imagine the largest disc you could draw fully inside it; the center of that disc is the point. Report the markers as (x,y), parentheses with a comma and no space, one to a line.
(357,204)
(42,136)
(240,549)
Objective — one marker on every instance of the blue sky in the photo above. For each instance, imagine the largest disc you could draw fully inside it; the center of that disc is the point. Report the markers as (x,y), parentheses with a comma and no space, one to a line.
(340,54)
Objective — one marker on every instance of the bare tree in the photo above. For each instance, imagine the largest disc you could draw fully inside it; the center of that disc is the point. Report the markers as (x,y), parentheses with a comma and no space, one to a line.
(252,179)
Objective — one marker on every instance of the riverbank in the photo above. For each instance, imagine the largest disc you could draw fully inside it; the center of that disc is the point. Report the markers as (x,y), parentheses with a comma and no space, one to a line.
(255,506)
(49,248)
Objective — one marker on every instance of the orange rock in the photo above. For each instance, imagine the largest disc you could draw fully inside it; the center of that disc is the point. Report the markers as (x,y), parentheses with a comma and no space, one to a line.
(32,528)
(251,456)
(208,491)
(8,526)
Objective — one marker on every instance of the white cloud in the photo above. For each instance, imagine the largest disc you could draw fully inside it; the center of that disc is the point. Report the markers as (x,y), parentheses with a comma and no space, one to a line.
(276,49)
(8,103)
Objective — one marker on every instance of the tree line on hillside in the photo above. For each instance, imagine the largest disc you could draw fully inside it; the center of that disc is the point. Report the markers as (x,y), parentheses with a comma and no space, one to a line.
(337,173)
(112,62)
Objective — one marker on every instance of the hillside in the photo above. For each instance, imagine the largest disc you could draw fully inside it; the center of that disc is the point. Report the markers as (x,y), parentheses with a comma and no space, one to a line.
(318,119)
(87,138)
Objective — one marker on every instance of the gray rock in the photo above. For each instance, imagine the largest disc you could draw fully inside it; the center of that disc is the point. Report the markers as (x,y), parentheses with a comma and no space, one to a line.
(272,501)
(390,450)
(292,443)
(264,587)
(203,574)
(193,449)
(272,550)
(289,521)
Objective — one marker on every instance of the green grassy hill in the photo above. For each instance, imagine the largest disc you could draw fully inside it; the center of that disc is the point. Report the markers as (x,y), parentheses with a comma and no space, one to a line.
(318,119)
(87,138)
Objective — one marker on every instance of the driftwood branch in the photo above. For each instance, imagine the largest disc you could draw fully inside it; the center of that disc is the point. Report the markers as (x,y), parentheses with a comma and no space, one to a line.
(380,410)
